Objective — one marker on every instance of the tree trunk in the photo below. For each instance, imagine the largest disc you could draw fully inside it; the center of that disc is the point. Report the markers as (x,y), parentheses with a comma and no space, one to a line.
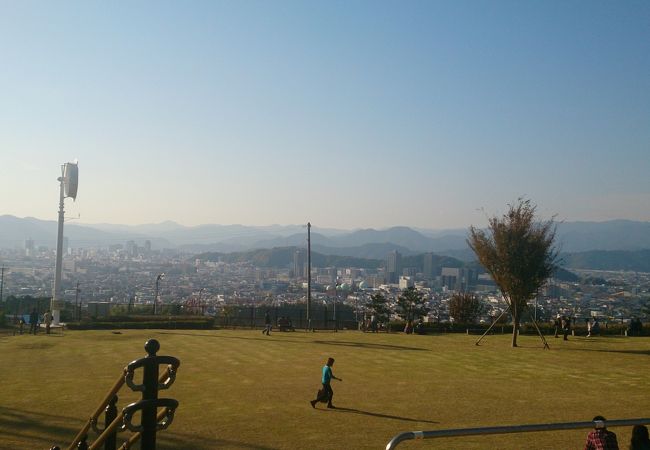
(515,326)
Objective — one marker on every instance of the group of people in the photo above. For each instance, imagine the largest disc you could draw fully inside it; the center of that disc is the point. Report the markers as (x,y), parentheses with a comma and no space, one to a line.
(563,323)
(635,328)
(602,439)
(35,321)
(284,324)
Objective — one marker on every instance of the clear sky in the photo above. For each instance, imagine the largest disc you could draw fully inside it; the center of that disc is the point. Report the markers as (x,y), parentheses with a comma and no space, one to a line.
(344,113)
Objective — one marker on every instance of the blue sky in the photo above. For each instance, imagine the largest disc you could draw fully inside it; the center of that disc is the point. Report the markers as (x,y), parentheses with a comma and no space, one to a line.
(346,114)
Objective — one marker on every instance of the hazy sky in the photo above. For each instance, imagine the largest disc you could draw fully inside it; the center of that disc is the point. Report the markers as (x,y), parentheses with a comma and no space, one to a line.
(346,114)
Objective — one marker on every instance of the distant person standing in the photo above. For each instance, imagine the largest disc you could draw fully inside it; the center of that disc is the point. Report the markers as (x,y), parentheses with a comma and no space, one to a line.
(601,438)
(557,325)
(326,394)
(47,320)
(566,327)
(267,324)
(33,321)
(595,328)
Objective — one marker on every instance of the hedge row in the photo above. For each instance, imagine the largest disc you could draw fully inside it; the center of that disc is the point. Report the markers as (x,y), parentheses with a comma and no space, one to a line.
(180,323)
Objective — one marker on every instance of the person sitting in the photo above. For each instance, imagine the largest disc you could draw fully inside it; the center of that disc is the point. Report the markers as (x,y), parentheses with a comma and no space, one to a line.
(600,438)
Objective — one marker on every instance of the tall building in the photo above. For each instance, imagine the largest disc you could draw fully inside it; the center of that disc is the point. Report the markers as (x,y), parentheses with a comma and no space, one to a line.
(131,248)
(393,266)
(300,264)
(427,266)
(459,279)
(29,247)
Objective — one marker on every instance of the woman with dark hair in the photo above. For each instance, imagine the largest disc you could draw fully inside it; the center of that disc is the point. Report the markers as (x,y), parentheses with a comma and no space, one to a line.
(640,439)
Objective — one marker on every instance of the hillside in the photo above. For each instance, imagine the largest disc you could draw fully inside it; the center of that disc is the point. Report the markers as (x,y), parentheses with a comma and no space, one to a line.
(638,261)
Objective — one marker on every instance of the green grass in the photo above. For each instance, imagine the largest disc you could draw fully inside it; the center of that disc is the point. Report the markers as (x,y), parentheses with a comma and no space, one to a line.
(243,390)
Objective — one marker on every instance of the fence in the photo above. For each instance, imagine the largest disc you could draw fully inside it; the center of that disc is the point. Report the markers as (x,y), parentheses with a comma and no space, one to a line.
(409,435)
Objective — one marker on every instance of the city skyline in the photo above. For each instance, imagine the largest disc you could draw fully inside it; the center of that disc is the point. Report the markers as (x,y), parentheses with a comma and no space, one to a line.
(431,115)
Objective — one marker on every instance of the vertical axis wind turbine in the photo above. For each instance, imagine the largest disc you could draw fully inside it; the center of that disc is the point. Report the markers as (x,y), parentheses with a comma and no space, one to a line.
(69,181)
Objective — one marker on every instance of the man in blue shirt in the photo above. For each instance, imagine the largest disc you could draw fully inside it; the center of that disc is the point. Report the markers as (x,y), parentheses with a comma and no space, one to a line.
(326,394)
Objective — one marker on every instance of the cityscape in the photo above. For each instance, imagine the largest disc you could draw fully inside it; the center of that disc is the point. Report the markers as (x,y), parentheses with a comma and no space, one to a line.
(215,212)
(123,274)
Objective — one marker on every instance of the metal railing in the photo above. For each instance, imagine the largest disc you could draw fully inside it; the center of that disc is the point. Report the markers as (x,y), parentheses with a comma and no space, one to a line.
(152,419)
(410,435)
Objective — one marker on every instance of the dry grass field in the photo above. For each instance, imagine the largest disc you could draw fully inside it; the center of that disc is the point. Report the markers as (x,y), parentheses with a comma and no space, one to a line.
(239,389)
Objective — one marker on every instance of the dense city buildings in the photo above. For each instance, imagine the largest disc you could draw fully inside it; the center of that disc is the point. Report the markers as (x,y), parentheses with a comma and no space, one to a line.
(128,275)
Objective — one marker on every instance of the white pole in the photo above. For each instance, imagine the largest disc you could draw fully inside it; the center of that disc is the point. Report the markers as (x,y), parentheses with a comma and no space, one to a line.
(55,306)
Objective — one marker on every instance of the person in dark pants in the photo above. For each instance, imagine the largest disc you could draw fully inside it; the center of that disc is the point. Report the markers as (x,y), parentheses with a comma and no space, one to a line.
(326,394)
(267,324)
(566,326)
(33,321)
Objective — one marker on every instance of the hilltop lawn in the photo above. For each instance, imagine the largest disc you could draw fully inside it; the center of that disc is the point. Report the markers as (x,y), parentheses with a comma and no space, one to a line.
(239,389)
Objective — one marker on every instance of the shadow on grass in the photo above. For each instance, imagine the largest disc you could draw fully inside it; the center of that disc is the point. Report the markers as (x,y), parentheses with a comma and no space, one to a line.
(174,440)
(381,416)
(601,350)
(36,426)
(265,339)
(320,342)
(32,426)
(370,345)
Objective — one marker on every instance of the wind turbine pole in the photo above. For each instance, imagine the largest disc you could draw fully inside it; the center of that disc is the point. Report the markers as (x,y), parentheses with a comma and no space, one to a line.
(55,306)
(69,181)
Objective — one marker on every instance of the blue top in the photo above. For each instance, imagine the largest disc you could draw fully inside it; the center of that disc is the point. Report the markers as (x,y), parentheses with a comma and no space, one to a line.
(327,374)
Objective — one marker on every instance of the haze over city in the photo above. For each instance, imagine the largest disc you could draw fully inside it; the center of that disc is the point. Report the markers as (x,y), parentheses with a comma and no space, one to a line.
(348,115)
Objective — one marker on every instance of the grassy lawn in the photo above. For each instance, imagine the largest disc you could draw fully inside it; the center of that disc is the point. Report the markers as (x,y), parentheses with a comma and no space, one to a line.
(243,390)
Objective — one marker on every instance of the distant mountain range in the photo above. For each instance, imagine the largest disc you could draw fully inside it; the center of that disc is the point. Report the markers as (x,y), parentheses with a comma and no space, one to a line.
(572,237)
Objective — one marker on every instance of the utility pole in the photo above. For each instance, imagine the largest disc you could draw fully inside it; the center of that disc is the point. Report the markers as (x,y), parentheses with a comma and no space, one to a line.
(161,276)
(308,275)
(76,299)
(2,282)
(201,305)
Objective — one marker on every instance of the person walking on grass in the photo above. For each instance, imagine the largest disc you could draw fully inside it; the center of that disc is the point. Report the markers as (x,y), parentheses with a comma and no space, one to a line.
(326,394)
(267,324)
(33,322)
(47,320)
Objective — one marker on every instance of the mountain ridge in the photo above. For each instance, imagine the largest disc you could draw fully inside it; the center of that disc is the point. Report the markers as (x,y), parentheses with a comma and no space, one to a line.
(571,236)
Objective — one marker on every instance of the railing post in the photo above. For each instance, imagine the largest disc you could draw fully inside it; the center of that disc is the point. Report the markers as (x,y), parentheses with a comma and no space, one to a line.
(150,381)
(109,416)
(83,443)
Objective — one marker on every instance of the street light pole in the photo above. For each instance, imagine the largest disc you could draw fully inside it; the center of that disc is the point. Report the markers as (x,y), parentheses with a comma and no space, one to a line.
(77,305)
(160,276)
(336,299)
